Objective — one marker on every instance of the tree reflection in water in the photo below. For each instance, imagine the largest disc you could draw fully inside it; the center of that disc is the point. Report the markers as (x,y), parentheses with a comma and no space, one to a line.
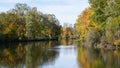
(40,54)
(98,58)
(29,55)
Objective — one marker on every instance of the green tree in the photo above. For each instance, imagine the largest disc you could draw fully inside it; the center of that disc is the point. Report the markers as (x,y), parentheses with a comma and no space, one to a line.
(107,13)
(24,22)
(33,23)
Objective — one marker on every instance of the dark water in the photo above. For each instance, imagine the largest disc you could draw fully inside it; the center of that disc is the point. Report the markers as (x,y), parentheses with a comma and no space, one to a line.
(64,54)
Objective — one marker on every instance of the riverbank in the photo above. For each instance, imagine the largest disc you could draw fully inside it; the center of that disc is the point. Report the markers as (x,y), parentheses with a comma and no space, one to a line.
(109,47)
(27,40)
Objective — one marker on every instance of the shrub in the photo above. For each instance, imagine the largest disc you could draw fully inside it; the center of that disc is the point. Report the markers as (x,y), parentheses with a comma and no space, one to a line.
(92,38)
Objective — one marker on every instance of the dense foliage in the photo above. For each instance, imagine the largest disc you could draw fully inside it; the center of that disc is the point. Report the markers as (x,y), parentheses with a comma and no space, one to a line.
(100,24)
(24,22)
(68,32)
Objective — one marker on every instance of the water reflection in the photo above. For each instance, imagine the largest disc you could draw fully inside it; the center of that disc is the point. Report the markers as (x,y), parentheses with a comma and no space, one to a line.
(66,54)
(68,42)
(98,58)
(30,55)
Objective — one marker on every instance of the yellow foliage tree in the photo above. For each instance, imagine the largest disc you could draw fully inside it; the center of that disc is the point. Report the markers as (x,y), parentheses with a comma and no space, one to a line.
(84,22)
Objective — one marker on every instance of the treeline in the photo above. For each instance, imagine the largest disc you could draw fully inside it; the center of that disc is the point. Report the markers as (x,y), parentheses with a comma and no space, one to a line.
(68,32)
(100,23)
(27,23)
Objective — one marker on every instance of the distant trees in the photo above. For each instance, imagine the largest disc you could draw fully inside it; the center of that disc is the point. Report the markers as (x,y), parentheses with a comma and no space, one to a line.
(24,22)
(67,31)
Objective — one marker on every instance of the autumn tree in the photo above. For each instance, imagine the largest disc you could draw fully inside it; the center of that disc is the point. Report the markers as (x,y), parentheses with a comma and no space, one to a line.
(107,13)
(33,20)
(83,23)
(24,22)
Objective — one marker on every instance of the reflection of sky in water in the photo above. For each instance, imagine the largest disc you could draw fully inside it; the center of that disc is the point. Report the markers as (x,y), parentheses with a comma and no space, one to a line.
(67,57)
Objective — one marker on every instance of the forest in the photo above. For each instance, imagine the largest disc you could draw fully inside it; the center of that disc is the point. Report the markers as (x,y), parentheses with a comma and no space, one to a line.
(30,38)
(27,23)
(99,24)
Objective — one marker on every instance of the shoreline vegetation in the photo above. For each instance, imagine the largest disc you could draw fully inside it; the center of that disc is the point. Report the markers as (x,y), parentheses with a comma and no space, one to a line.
(27,40)
(24,23)
(99,24)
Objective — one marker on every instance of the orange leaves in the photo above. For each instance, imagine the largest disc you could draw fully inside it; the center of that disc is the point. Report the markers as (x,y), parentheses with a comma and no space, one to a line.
(84,21)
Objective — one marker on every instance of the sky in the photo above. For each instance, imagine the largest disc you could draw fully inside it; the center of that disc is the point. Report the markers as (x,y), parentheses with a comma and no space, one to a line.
(66,11)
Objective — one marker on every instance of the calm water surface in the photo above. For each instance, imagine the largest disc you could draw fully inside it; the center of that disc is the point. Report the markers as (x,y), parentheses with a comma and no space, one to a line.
(64,54)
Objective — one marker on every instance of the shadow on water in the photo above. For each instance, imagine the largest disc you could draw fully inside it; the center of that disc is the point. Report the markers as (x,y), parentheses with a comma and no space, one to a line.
(29,55)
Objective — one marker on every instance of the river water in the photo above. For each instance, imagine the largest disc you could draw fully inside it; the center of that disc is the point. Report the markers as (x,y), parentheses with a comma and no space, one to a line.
(54,54)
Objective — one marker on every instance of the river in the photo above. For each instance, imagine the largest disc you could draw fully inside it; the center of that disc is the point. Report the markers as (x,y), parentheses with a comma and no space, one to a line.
(54,54)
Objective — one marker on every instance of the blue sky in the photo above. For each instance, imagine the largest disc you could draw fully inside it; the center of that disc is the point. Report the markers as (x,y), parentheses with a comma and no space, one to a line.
(66,11)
